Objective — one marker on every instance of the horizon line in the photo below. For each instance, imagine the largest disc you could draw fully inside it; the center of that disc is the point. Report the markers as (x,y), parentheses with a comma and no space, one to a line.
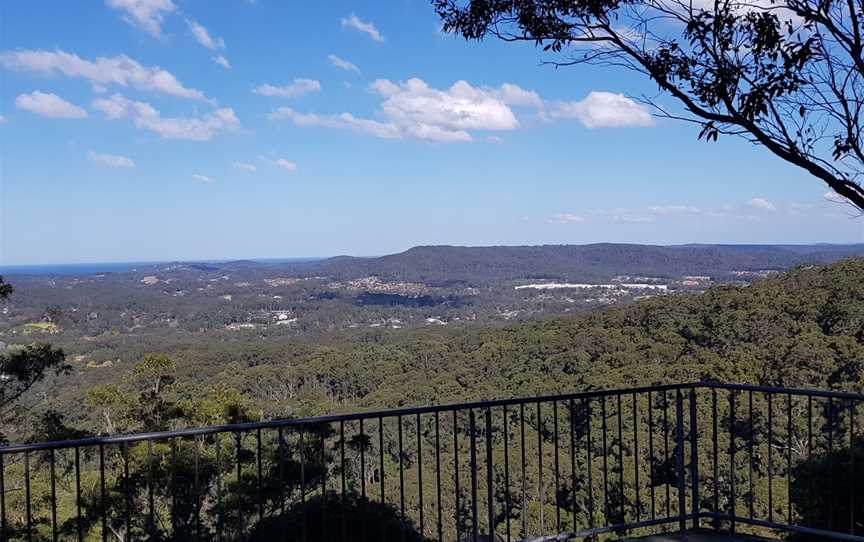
(277,259)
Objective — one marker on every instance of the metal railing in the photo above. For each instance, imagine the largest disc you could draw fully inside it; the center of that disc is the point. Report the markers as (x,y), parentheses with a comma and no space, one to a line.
(731,457)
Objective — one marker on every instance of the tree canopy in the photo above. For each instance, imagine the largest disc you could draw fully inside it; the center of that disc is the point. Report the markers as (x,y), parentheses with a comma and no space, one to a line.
(784,74)
(5,289)
(804,328)
(21,367)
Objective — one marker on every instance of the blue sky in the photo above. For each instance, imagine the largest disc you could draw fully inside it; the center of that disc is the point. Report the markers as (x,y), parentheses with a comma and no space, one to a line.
(138,130)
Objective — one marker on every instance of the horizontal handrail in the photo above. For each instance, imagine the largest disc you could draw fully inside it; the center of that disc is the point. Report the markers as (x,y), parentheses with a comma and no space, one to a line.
(389,413)
(849,396)
(292,422)
(588,533)
(798,529)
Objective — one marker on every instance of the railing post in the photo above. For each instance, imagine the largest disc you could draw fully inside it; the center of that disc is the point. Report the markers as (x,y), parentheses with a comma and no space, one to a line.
(694,459)
(2,500)
(475,533)
(679,458)
(490,498)
(27,502)
(732,494)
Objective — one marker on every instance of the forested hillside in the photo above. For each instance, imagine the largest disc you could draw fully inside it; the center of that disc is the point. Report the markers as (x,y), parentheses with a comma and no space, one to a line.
(479,265)
(803,328)
(113,318)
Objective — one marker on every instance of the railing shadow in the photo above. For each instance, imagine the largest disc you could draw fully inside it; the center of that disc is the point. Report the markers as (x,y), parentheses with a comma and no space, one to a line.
(828,491)
(335,517)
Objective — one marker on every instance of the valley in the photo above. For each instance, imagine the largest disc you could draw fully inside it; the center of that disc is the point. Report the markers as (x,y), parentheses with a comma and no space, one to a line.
(92,314)
(105,321)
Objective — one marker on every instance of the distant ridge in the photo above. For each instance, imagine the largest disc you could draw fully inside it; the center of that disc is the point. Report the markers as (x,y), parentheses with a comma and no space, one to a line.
(444,264)
(473,266)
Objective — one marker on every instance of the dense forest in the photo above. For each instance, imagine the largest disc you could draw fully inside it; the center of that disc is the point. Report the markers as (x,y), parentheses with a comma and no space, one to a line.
(105,321)
(804,328)
(799,329)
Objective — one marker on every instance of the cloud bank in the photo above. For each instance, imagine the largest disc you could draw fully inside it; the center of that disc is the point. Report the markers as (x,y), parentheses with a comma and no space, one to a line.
(110,160)
(49,105)
(414,110)
(147,15)
(102,72)
(367,28)
(297,88)
(144,116)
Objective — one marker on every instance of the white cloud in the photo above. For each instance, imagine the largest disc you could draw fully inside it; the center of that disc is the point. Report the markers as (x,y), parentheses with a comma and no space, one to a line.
(282,163)
(834,197)
(415,104)
(245,167)
(604,110)
(514,95)
(203,37)
(624,215)
(342,63)
(285,164)
(3,119)
(413,109)
(145,14)
(368,28)
(631,218)
(341,121)
(110,160)
(385,87)
(49,105)
(297,88)
(222,61)
(756,209)
(762,204)
(146,117)
(673,209)
(740,8)
(202,178)
(102,72)
(568,218)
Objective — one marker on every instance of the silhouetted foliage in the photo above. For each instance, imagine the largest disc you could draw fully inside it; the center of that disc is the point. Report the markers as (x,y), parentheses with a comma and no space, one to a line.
(334,517)
(5,289)
(787,75)
(822,486)
(23,366)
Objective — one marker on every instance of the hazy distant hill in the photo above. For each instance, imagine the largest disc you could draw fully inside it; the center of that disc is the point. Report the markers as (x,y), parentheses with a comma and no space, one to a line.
(477,265)
(459,266)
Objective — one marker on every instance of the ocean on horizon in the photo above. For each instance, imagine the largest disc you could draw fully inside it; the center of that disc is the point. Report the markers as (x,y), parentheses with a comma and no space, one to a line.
(120,267)
(72,268)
